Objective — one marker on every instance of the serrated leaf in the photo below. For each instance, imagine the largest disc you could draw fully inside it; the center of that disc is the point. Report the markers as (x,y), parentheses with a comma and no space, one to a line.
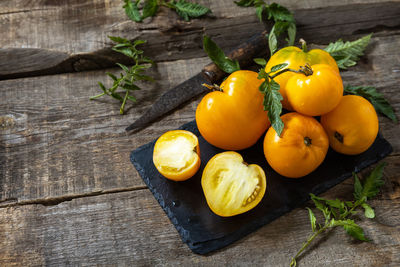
(312,219)
(112,76)
(272,104)
(291,34)
(188,10)
(216,54)
(124,50)
(272,41)
(150,8)
(321,206)
(279,13)
(373,182)
(131,87)
(260,61)
(377,99)
(103,88)
(259,12)
(278,67)
(351,228)
(132,10)
(368,211)
(347,53)
(357,187)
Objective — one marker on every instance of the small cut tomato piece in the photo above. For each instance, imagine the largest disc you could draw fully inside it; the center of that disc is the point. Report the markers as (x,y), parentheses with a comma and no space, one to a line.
(231,186)
(177,155)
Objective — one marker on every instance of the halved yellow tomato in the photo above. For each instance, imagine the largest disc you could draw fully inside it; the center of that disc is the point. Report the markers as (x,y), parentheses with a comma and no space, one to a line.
(231,186)
(176,155)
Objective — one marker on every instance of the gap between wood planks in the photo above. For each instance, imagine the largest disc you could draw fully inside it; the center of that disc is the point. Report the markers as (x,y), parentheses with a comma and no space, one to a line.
(52,201)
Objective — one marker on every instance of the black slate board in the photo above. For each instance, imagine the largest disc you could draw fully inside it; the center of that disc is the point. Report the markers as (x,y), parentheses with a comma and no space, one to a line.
(203,231)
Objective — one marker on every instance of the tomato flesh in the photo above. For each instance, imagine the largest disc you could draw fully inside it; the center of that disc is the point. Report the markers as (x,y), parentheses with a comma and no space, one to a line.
(231,186)
(176,155)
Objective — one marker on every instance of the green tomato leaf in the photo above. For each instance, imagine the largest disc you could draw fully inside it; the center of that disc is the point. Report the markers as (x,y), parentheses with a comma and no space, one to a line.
(377,99)
(272,104)
(368,211)
(259,12)
(216,54)
(279,13)
(291,34)
(357,187)
(122,66)
(347,54)
(132,10)
(246,3)
(351,228)
(312,219)
(118,40)
(278,67)
(272,41)
(373,182)
(188,10)
(150,8)
(260,61)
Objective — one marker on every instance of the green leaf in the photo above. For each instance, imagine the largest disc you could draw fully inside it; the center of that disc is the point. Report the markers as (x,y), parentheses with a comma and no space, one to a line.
(103,88)
(351,228)
(272,41)
(260,61)
(132,10)
(279,13)
(259,12)
(122,66)
(272,104)
(124,50)
(368,211)
(312,219)
(246,3)
(188,10)
(112,76)
(357,187)
(216,54)
(347,54)
(132,98)
(377,99)
(325,210)
(291,34)
(119,40)
(373,182)
(278,67)
(150,8)
(117,96)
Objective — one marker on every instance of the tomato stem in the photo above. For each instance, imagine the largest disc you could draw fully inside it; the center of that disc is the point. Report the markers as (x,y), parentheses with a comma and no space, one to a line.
(213,87)
(307,141)
(306,70)
(303,45)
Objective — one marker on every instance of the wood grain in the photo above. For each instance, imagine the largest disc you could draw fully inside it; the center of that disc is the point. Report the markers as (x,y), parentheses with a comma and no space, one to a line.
(114,229)
(75,41)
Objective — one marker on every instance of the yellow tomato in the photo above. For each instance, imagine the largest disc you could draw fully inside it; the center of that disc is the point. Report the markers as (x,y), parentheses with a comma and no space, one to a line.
(231,186)
(317,93)
(233,118)
(176,155)
(300,149)
(295,58)
(352,126)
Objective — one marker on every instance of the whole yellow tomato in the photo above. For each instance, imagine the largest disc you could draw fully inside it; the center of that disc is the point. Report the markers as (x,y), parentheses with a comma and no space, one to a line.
(352,126)
(300,149)
(315,93)
(295,58)
(176,155)
(233,118)
(231,186)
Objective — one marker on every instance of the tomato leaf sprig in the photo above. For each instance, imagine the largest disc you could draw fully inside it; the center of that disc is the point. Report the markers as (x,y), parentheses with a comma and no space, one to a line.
(216,54)
(184,9)
(338,213)
(127,80)
(283,18)
(377,100)
(348,53)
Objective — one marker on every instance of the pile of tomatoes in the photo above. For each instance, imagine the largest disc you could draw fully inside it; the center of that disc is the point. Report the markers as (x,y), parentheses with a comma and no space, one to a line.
(233,118)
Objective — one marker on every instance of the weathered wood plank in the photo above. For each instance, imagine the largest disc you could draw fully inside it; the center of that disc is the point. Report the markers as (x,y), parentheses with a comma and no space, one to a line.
(131,229)
(58,144)
(75,41)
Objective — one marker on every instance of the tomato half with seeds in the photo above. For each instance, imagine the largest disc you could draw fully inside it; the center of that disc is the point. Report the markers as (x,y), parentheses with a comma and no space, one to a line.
(352,126)
(301,147)
(176,155)
(231,186)
(233,118)
(295,58)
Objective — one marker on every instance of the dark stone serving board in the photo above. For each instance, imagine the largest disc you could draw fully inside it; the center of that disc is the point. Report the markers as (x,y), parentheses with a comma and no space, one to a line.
(203,231)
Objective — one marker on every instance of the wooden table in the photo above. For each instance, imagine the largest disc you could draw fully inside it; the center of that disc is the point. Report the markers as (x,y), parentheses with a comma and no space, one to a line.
(68,192)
